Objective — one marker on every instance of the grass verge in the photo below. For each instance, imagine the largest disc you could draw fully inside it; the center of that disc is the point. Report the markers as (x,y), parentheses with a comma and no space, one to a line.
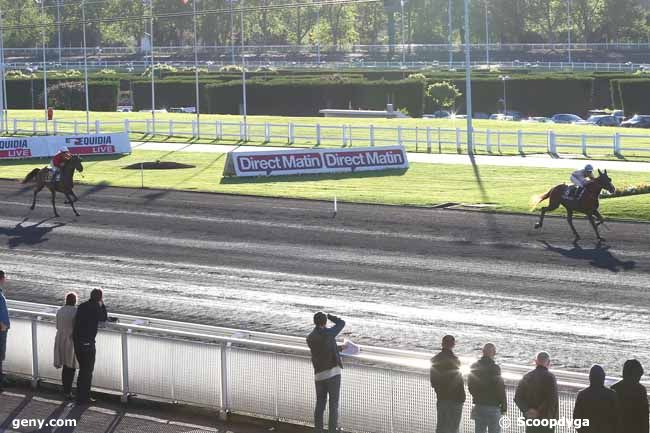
(508,188)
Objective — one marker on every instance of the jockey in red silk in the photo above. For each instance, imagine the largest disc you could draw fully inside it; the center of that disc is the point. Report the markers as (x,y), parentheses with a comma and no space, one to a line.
(58,161)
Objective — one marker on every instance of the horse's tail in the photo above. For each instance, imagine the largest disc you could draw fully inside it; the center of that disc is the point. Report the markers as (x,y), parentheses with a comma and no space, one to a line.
(32,174)
(537,199)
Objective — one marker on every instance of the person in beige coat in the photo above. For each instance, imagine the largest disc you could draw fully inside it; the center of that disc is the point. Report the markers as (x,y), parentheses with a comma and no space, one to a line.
(64,355)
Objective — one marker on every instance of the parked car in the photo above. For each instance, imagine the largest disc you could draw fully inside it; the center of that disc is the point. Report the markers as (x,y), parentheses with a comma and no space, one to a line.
(567,118)
(637,121)
(440,114)
(538,119)
(603,120)
(124,108)
(619,114)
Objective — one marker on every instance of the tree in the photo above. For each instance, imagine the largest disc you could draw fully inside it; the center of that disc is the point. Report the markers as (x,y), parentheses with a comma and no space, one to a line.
(443,94)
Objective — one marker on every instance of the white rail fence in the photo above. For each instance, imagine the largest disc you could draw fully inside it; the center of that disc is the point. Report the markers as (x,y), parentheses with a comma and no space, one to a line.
(380,394)
(429,139)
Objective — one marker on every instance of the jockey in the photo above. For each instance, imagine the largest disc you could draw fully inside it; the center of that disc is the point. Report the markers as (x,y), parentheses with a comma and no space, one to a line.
(58,161)
(580,178)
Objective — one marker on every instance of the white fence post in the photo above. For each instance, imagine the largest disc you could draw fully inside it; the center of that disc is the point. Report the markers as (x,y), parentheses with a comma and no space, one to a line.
(147,126)
(520,142)
(372,135)
(194,129)
(488,141)
(344,136)
(97,126)
(225,404)
(399,135)
(267,132)
(350,133)
(292,136)
(552,144)
(241,131)
(15,125)
(125,368)
(55,127)
(584,144)
(617,144)
(428,139)
(34,128)
(76,127)
(35,352)
(171,127)
(218,130)
(458,149)
(318,134)
(127,126)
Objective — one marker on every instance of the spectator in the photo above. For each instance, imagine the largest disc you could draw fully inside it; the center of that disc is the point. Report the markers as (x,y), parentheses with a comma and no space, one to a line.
(597,404)
(632,399)
(89,315)
(64,355)
(327,368)
(536,394)
(447,381)
(488,392)
(4,327)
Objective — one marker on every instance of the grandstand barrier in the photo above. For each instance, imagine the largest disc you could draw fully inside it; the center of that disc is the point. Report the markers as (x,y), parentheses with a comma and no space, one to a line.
(255,374)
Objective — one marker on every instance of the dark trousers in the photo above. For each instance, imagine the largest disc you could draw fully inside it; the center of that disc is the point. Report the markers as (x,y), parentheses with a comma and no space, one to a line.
(3,351)
(449,413)
(67,377)
(86,356)
(330,387)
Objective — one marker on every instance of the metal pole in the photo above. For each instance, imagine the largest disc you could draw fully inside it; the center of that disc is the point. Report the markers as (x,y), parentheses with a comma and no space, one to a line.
(451,54)
(243,70)
(58,25)
(3,113)
(505,100)
(153,72)
(196,74)
(83,15)
(468,82)
(402,22)
(232,34)
(487,35)
(318,33)
(42,2)
(568,6)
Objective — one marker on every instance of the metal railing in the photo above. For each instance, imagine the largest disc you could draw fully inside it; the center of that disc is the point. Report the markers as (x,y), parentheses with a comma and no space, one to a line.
(263,375)
(425,139)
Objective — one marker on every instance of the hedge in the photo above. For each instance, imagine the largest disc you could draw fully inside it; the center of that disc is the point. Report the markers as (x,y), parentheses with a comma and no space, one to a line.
(632,95)
(169,93)
(306,98)
(27,94)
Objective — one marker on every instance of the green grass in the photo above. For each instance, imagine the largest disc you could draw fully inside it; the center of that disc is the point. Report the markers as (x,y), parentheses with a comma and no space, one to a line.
(510,189)
(414,133)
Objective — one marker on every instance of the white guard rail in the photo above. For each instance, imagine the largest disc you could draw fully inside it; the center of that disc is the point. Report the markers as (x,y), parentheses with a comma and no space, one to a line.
(429,139)
(257,374)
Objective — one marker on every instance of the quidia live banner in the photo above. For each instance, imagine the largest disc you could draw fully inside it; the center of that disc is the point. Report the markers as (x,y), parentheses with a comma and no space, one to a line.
(46,146)
(315,161)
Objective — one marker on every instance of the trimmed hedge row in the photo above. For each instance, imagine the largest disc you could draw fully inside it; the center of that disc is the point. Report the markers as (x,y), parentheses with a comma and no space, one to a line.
(27,94)
(306,98)
(632,95)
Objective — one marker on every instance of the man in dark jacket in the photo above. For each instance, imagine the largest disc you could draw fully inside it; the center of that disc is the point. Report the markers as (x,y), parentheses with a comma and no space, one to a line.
(89,315)
(597,404)
(488,392)
(327,368)
(632,399)
(536,395)
(447,381)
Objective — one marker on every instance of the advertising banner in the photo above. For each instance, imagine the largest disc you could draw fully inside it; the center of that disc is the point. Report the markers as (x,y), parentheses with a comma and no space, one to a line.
(46,146)
(315,161)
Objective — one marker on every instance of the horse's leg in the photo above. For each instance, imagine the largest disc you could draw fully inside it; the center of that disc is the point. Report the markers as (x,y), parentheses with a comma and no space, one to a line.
(56,214)
(36,191)
(552,205)
(595,227)
(569,218)
(71,203)
(601,219)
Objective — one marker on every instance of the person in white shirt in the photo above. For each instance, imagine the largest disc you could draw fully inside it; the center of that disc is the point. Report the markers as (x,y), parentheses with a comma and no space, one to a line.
(581,177)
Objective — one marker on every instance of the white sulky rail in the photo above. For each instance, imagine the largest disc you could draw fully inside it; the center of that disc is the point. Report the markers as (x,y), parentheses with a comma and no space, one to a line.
(253,373)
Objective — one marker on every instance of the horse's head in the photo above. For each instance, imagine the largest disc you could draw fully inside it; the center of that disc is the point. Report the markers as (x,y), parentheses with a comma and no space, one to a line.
(75,163)
(605,181)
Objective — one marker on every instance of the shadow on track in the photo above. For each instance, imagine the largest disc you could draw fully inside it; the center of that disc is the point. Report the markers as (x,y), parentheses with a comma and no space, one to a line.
(598,257)
(28,235)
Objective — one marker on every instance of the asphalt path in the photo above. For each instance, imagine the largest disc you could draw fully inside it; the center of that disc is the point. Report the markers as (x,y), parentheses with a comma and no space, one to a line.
(401,277)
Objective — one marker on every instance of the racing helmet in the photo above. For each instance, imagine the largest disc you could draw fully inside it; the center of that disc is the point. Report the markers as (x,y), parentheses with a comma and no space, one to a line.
(64,149)
(589,168)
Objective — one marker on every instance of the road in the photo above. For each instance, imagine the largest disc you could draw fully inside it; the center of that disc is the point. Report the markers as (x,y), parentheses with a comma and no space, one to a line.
(401,277)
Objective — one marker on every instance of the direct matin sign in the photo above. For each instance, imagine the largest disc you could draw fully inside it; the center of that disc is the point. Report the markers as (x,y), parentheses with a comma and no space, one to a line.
(315,161)
(46,146)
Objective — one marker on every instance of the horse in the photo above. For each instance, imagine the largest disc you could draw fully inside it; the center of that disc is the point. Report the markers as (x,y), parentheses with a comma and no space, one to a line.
(587,203)
(64,185)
